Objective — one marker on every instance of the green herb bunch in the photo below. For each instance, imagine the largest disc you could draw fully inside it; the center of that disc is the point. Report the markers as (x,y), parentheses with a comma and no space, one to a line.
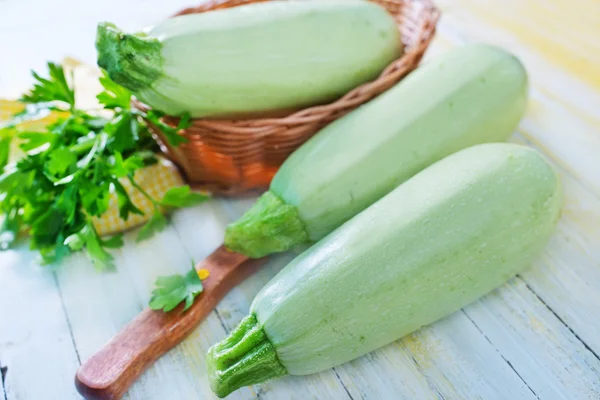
(71,169)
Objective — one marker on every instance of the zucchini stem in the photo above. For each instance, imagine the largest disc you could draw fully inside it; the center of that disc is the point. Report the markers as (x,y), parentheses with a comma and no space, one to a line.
(132,61)
(270,226)
(243,358)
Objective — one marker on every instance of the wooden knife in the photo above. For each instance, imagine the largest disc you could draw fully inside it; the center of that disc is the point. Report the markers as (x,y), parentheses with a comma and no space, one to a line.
(109,373)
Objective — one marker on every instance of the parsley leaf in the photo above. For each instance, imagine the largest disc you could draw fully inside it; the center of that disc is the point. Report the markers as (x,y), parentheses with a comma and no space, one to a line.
(125,168)
(156,224)
(123,132)
(126,206)
(135,162)
(119,169)
(75,242)
(6,137)
(115,242)
(46,227)
(95,199)
(66,202)
(53,89)
(171,133)
(9,230)
(32,141)
(182,196)
(4,152)
(60,161)
(100,257)
(60,250)
(114,95)
(172,290)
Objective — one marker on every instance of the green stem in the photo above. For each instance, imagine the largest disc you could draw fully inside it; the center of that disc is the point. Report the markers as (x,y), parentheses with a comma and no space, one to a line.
(143,192)
(131,60)
(83,146)
(243,358)
(270,226)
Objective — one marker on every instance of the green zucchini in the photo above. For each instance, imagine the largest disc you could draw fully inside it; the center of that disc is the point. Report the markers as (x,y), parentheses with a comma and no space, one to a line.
(441,240)
(253,59)
(471,95)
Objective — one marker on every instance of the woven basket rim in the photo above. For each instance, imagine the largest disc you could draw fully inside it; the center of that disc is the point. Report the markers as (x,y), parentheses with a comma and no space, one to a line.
(303,116)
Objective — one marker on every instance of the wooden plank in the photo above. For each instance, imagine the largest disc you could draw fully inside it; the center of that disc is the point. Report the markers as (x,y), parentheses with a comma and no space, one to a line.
(542,350)
(369,376)
(36,349)
(569,140)
(3,372)
(449,359)
(565,277)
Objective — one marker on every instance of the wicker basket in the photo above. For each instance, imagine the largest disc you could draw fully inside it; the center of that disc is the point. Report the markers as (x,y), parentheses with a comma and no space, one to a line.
(233,157)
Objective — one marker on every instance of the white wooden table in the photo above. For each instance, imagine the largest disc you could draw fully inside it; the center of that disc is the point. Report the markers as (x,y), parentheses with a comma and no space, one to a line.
(536,337)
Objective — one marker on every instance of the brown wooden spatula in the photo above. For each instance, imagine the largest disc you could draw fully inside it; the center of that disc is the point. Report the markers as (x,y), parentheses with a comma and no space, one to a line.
(108,374)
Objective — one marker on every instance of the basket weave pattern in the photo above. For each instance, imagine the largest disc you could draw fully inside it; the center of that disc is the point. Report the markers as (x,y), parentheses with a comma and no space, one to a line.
(235,156)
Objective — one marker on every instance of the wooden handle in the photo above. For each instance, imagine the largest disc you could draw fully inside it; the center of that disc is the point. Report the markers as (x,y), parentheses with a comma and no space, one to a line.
(108,374)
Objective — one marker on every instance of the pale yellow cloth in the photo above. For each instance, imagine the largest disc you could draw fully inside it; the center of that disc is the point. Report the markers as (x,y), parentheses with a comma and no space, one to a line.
(156,179)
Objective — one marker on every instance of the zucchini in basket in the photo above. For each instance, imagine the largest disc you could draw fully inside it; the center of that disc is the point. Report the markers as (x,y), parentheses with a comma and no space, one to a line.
(258,58)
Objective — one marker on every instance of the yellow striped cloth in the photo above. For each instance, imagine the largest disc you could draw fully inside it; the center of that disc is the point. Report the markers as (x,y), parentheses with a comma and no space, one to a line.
(156,180)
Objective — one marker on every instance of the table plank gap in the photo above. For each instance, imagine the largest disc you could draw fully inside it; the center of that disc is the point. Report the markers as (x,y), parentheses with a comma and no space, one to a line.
(343,384)
(587,346)
(34,332)
(3,372)
(565,267)
(504,358)
(68,320)
(544,352)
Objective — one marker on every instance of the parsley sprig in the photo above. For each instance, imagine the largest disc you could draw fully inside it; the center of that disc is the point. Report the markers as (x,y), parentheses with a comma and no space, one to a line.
(175,289)
(70,171)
